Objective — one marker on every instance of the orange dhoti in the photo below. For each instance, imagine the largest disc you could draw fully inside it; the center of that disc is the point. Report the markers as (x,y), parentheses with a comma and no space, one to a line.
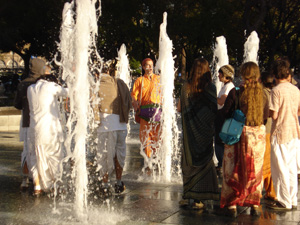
(267,178)
(149,136)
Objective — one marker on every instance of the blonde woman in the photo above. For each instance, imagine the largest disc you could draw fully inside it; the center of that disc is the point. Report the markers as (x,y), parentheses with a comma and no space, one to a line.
(243,161)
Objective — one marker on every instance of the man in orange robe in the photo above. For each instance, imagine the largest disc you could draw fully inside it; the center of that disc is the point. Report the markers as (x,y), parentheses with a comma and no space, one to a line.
(146,93)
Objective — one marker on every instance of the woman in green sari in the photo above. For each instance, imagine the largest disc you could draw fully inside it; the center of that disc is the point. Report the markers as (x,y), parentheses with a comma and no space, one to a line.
(198,107)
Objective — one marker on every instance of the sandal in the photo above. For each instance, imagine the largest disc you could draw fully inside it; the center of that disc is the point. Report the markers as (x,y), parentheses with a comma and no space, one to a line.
(254,211)
(231,212)
(268,198)
(198,205)
(277,206)
(24,185)
(184,202)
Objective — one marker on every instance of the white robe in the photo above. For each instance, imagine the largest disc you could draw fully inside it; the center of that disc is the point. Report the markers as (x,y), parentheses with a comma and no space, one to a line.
(45,128)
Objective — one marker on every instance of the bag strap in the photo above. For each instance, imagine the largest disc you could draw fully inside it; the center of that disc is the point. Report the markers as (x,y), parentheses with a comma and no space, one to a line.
(237,98)
(141,90)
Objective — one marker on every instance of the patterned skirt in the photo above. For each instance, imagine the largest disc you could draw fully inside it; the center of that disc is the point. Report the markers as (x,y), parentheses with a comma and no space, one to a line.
(242,168)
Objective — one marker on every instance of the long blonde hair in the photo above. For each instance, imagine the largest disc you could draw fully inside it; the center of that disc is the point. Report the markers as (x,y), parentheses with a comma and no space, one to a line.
(252,95)
(200,76)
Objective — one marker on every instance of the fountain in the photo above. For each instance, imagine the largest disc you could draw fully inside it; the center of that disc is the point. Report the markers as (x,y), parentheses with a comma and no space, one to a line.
(251,47)
(77,44)
(77,38)
(169,141)
(78,33)
(220,59)
(123,72)
(123,69)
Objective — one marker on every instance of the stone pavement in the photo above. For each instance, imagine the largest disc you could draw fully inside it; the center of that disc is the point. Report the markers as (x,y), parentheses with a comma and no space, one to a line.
(144,202)
(9,118)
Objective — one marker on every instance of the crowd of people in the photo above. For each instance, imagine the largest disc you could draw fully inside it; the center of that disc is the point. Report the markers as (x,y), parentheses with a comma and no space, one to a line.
(43,134)
(267,154)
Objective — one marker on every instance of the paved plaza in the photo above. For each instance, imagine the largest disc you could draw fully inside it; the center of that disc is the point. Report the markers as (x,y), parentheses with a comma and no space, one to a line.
(144,201)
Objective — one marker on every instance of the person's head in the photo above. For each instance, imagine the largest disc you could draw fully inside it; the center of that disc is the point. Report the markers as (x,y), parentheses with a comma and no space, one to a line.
(249,72)
(226,73)
(113,68)
(284,58)
(37,67)
(252,96)
(147,65)
(108,67)
(200,75)
(267,79)
(281,70)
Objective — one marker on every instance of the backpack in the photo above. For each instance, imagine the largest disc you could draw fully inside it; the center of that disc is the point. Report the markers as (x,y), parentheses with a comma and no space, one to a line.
(232,128)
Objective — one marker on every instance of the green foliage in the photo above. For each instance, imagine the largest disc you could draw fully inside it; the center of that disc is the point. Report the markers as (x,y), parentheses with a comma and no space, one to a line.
(135,66)
(31,27)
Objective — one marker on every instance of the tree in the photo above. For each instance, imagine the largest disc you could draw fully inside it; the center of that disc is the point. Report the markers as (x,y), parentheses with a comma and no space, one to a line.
(30,27)
(132,23)
(278,25)
(283,28)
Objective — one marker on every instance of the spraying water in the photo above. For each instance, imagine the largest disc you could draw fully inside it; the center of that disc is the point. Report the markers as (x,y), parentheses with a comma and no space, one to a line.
(77,38)
(165,64)
(220,59)
(123,71)
(251,47)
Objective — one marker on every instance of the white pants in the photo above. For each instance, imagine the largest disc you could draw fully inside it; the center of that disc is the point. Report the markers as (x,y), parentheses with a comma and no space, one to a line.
(28,153)
(284,171)
(111,144)
(49,158)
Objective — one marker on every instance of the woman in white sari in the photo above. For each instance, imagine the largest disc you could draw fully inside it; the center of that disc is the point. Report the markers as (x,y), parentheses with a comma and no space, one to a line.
(46,129)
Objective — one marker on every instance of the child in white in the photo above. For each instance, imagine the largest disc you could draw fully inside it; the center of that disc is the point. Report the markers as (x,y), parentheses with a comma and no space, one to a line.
(226,75)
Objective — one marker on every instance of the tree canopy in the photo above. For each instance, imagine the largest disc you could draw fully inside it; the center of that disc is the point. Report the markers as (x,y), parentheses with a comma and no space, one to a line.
(31,27)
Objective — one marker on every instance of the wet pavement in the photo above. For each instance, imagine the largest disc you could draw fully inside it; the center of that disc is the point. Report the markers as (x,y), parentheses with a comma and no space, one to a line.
(144,202)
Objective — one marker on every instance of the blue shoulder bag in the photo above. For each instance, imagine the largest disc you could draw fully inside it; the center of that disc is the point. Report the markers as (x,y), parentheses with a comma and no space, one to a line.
(232,128)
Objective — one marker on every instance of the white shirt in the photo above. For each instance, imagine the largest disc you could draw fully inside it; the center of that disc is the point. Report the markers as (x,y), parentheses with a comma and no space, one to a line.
(110,122)
(44,111)
(224,91)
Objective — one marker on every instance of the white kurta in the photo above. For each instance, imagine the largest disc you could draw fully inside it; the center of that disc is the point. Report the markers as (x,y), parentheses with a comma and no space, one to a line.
(225,91)
(45,128)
